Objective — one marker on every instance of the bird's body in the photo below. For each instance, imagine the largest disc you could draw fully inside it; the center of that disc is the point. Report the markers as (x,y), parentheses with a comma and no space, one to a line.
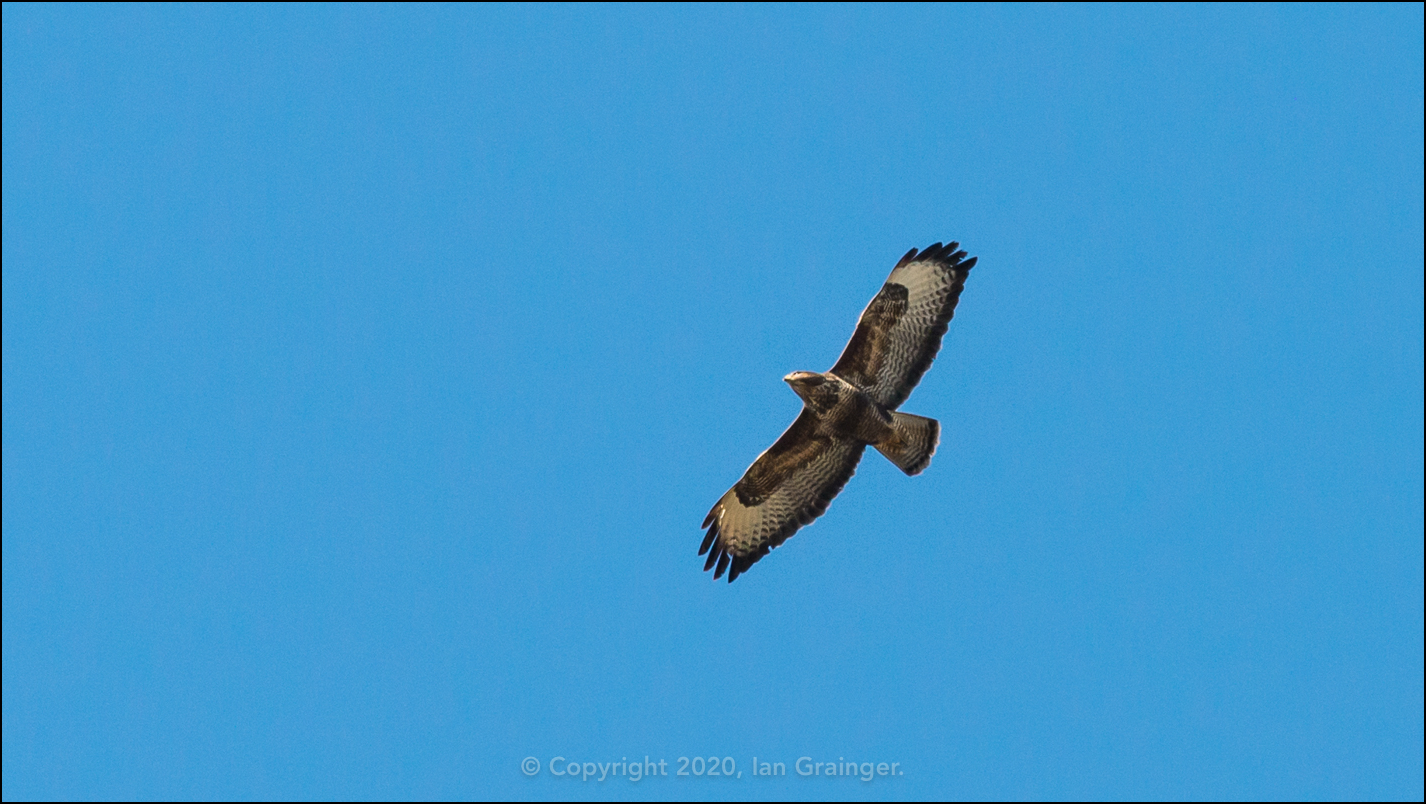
(844,411)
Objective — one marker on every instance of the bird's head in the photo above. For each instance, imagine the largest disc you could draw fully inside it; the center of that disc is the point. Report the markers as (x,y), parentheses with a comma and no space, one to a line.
(818,390)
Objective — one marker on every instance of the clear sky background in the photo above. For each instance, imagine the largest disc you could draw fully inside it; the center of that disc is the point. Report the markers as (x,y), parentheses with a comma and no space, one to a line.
(368,372)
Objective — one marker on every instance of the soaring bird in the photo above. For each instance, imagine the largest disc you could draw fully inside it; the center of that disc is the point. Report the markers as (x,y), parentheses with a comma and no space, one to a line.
(843,410)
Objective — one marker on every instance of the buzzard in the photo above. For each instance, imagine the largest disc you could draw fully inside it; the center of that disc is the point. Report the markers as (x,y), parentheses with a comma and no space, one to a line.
(843,411)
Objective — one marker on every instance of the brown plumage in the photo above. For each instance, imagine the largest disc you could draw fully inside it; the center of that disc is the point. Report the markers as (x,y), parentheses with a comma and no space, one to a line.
(845,410)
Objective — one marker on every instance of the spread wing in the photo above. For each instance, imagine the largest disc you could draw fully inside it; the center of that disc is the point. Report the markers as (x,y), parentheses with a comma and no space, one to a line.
(900,332)
(787,487)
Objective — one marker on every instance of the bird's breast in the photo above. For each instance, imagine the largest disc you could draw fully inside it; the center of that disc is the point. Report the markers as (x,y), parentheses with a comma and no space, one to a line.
(857,416)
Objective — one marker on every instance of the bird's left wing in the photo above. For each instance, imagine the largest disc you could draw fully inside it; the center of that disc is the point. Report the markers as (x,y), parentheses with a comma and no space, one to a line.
(900,331)
(787,487)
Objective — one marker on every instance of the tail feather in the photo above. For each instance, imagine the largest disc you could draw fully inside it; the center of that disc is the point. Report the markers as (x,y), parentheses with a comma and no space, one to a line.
(913,441)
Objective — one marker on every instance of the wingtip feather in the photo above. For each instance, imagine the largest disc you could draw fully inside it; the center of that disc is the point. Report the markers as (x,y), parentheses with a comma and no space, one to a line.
(708,540)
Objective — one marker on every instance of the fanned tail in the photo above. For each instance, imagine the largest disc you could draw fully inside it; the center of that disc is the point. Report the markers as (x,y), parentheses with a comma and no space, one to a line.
(913,441)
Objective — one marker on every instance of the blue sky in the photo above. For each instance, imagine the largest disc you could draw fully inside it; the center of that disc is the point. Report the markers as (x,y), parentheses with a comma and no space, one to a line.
(369,370)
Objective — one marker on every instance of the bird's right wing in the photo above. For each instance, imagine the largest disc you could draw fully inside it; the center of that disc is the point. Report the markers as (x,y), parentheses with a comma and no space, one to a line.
(787,487)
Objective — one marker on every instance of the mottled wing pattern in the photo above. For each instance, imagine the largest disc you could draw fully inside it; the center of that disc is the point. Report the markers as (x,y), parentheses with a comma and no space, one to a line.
(900,332)
(787,487)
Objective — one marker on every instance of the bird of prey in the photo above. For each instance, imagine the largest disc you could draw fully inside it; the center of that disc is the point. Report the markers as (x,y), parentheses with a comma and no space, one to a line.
(843,411)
